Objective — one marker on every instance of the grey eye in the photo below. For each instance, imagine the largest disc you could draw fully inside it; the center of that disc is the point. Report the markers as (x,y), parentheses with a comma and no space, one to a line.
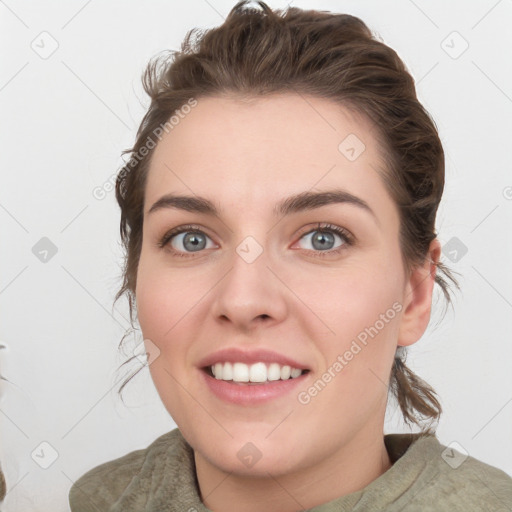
(322,240)
(191,241)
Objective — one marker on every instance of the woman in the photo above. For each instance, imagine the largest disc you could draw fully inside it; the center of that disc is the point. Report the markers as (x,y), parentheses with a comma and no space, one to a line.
(278,212)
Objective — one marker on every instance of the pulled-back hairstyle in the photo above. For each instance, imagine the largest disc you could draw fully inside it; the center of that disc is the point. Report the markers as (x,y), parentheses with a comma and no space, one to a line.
(257,52)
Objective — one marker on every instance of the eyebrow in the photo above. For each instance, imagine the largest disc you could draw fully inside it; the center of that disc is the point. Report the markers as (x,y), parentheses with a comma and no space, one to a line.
(302,202)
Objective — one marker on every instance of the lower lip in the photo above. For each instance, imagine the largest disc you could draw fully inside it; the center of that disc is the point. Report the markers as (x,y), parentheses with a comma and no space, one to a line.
(243,393)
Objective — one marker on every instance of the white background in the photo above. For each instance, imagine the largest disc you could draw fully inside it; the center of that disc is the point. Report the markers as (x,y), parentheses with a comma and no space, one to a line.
(65,120)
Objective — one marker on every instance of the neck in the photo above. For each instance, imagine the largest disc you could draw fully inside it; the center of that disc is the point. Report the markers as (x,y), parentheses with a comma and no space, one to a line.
(347,471)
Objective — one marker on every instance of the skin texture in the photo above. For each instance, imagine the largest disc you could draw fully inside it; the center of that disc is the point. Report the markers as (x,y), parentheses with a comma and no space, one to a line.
(246,156)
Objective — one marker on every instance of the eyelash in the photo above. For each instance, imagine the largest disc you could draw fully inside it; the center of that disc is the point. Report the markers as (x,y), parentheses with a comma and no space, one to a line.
(345,235)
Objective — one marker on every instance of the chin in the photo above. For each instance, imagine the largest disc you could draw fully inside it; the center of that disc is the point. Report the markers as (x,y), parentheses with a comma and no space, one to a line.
(248,452)
(249,460)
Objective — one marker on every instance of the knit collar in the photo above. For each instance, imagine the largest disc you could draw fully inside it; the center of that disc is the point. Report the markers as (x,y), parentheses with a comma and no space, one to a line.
(168,480)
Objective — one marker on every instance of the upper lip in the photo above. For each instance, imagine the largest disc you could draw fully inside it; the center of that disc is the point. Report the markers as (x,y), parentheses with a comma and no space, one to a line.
(237,355)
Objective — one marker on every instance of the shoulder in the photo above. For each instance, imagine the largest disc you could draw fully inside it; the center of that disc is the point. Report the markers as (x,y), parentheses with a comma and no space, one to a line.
(457,481)
(102,486)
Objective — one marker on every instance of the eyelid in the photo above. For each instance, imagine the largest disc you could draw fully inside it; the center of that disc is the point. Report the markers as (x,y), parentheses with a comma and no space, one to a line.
(343,233)
(185,228)
(325,226)
(346,236)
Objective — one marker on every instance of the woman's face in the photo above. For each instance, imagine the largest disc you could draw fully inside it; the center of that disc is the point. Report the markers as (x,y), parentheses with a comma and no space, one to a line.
(289,257)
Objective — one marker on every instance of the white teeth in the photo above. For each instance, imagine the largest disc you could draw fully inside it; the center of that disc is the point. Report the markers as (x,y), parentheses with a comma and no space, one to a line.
(240,372)
(285,372)
(274,372)
(227,371)
(218,371)
(258,372)
(295,372)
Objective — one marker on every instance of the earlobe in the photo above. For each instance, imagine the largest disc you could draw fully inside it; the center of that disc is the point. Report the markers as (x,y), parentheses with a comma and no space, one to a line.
(418,297)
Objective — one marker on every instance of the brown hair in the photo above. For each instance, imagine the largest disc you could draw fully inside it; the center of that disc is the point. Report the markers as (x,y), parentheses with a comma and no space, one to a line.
(256,52)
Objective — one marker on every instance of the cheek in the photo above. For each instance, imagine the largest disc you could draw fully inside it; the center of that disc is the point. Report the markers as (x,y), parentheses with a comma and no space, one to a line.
(163,301)
(361,307)
(353,298)
(164,297)
(162,306)
(360,310)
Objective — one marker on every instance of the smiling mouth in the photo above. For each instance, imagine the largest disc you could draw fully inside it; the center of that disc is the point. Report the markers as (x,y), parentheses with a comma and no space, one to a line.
(257,373)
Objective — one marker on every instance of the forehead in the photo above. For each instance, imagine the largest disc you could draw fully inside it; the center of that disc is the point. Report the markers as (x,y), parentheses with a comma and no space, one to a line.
(264,148)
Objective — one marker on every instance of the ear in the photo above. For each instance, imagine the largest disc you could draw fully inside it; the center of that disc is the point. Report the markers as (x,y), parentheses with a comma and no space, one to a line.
(418,297)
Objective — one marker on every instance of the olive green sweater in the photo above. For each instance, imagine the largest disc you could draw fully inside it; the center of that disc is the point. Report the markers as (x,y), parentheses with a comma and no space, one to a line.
(425,477)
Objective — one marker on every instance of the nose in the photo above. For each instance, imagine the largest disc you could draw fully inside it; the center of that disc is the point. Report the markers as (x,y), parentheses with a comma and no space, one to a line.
(249,295)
